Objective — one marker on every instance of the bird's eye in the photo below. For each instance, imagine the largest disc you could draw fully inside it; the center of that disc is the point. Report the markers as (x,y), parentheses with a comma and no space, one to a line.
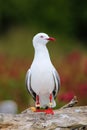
(41,36)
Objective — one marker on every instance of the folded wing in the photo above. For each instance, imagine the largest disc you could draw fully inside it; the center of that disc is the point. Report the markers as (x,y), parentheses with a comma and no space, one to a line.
(57,83)
(28,84)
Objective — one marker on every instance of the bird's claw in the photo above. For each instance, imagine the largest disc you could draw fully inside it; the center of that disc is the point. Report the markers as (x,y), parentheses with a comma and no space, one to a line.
(46,111)
(49,111)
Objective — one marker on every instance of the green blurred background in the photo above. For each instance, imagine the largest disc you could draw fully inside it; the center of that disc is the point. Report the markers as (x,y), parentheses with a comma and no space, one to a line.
(64,20)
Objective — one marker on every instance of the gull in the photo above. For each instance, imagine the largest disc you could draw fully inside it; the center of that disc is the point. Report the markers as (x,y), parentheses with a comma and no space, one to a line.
(42,79)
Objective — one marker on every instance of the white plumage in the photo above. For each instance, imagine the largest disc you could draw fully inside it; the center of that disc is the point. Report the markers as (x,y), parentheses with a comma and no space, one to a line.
(42,79)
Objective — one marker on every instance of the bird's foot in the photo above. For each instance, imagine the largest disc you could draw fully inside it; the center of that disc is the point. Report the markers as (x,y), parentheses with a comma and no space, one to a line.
(49,111)
(46,111)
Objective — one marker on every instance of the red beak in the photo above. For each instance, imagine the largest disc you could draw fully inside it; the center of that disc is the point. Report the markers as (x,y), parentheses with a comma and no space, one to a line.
(51,39)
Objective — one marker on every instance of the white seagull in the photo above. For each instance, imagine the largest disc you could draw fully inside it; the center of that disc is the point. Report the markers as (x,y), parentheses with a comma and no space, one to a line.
(42,79)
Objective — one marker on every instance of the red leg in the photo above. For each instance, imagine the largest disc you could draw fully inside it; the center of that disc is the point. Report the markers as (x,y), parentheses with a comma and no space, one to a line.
(50,110)
(50,97)
(37,101)
(47,111)
(38,104)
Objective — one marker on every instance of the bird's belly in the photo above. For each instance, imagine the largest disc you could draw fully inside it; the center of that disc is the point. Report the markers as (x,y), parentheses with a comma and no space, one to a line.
(42,81)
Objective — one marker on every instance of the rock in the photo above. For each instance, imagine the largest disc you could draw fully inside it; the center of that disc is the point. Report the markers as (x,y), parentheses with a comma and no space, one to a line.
(74,118)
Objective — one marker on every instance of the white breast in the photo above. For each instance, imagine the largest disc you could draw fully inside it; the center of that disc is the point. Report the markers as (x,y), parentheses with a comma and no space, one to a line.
(42,79)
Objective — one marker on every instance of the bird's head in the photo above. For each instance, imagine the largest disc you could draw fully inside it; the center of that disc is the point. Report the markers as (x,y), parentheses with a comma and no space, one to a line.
(42,39)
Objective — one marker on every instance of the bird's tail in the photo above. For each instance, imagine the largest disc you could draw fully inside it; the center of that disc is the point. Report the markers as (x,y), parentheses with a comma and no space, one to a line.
(44,101)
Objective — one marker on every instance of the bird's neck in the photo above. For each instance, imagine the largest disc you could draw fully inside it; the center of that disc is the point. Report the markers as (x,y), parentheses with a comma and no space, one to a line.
(41,52)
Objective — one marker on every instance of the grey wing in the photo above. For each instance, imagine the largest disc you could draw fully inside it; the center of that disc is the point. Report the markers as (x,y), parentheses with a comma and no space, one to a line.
(28,84)
(57,83)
